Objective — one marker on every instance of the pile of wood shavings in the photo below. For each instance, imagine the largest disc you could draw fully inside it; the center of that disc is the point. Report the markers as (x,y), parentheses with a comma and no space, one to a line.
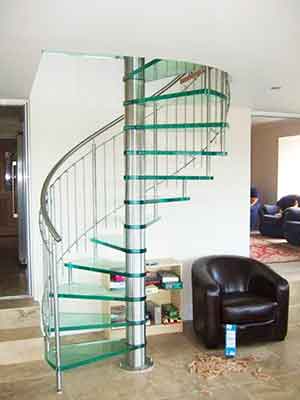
(210,366)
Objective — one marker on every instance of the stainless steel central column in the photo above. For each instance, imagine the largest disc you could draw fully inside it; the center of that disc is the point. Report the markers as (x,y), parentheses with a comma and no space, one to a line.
(135,217)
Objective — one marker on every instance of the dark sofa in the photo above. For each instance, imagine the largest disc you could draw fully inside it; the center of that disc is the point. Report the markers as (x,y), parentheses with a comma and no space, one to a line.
(291,225)
(271,221)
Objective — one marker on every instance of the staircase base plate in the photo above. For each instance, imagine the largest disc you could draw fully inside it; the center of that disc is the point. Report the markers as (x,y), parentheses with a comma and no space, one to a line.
(148,366)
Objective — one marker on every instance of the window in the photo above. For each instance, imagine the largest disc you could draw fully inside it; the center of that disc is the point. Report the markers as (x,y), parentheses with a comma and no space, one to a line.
(288,165)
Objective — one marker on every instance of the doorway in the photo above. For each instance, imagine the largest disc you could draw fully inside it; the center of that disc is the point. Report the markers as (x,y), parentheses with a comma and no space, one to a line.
(14,270)
(273,148)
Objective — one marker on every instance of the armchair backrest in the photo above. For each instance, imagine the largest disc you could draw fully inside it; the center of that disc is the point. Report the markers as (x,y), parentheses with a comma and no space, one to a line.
(288,201)
(232,273)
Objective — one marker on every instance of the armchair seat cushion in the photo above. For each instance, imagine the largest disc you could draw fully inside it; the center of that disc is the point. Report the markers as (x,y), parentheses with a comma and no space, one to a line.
(243,308)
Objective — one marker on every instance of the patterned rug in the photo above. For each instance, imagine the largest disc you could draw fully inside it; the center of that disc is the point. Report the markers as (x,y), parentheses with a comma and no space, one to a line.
(269,250)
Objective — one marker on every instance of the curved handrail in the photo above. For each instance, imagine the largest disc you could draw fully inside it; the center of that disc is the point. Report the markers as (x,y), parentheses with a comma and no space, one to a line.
(116,121)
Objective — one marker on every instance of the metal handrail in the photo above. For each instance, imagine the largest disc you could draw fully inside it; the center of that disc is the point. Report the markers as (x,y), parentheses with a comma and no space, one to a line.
(116,121)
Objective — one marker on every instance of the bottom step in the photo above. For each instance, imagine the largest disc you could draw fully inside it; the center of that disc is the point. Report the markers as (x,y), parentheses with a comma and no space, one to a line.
(76,355)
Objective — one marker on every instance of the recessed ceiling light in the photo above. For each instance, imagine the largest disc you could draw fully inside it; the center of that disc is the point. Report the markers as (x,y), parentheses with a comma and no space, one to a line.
(275,87)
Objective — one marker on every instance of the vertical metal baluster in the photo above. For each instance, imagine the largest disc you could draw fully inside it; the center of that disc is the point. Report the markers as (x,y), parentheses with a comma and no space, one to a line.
(75,203)
(56,321)
(114,180)
(185,131)
(49,252)
(176,122)
(194,120)
(202,79)
(155,159)
(176,136)
(84,202)
(70,272)
(208,113)
(217,139)
(224,78)
(94,195)
(167,141)
(184,188)
(222,102)
(105,184)
(61,208)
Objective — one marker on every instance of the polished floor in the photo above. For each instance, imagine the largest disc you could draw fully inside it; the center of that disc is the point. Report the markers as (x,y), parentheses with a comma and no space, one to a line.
(170,378)
(13,280)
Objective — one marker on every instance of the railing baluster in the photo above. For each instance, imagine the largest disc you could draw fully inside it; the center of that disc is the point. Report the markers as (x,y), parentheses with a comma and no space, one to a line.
(105,184)
(75,203)
(155,158)
(70,278)
(84,200)
(94,195)
(114,180)
(194,120)
(176,136)
(202,79)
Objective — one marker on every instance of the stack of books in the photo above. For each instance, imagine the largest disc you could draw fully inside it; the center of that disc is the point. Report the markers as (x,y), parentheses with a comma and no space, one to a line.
(169,280)
(152,278)
(117,282)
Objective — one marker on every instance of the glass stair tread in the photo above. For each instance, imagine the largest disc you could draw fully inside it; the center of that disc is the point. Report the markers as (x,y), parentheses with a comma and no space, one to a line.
(92,292)
(143,226)
(177,96)
(169,177)
(158,69)
(82,321)
(158,200)
(116,242)
(188,125)
(174,153)
(119,221)
(76,355)
(101,265)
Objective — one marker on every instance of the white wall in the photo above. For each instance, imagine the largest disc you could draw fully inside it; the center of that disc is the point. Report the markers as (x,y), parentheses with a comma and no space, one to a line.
(72,97)
(216,221)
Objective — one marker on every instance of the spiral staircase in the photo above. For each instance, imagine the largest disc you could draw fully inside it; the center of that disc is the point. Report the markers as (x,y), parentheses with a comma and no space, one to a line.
(99,199)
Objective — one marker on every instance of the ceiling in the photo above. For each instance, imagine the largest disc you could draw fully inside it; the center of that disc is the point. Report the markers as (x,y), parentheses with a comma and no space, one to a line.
(256,41)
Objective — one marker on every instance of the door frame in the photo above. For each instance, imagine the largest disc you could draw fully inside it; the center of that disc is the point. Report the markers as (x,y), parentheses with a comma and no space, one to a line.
(25,104)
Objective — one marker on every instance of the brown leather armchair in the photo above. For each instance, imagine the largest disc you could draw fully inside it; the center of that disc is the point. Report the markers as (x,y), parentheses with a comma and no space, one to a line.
(241,291)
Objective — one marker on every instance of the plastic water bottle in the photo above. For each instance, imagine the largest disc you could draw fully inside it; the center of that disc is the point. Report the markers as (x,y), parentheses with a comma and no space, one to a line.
(230,340)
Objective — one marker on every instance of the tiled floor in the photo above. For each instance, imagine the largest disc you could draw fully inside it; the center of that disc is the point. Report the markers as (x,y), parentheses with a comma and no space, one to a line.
(169,379)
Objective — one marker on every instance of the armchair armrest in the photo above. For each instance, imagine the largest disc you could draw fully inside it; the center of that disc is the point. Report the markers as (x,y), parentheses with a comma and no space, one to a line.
(206,305)
(270,209)
(267,283)
(292,214)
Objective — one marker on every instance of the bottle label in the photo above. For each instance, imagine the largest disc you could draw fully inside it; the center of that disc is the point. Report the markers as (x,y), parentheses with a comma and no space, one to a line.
(230,340)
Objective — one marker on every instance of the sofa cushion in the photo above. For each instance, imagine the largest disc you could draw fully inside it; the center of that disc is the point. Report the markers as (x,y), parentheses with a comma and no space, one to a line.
(242,308)
(273,219)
